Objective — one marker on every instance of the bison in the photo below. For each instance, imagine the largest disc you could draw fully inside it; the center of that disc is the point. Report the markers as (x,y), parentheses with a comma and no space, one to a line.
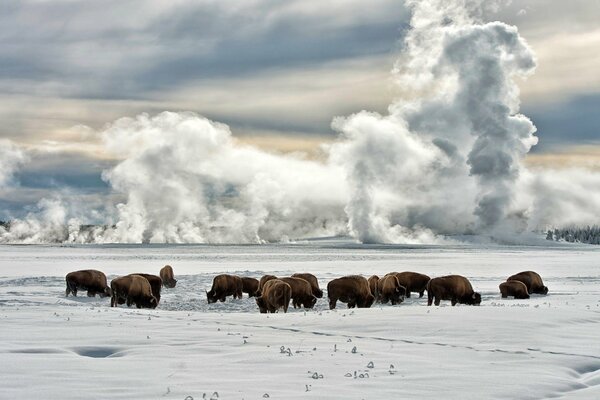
(155,283)
(532,280)
(166,274)
(412,281)
(133,289)
(225,285)
(373,279)
(250,286)
(455,288)
(314,283)
(389,289)
(353,290)
(517,289)
(302,295)
(276,294)
(89,279)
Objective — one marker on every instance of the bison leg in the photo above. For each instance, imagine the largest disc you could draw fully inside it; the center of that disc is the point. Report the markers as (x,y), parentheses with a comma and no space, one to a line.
(437,301)
(421,293)
(453,301)
(429,298)
(408,294)
(67,291)
(504,295)
(332,303)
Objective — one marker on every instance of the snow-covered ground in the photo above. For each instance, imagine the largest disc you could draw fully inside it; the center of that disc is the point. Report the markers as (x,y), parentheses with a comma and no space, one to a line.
(52,347)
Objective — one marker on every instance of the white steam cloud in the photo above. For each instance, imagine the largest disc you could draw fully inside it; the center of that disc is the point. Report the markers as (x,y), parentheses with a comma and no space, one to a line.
(445,160)
(11,158)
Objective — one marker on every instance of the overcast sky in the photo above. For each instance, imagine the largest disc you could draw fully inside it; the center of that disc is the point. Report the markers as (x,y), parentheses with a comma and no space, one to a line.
(276,71)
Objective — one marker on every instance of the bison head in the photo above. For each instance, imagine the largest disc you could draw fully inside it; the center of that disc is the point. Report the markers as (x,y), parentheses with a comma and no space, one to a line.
(475,299)
(318,293)
(262,306)
(366,302)
(106,293)
(211,297)
(545,290)
(310,302)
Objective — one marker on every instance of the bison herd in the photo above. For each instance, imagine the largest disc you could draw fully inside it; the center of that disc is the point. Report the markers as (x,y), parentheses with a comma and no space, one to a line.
(140,289)
(302,289)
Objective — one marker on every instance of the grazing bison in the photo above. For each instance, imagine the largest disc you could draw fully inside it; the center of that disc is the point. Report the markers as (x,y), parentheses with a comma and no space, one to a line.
(389,289)
(314,283)
(276,294)
(532,280)
(353,290)
(455,288)
(264,279)
(225,285)
(132,289)
(302,295)
(517,289)
(373,279)
(155,283)
(166,274)
(250,286)
(412,281)
(89,279)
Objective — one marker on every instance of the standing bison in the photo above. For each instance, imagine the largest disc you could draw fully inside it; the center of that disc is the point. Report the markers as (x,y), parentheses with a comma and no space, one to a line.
(353,290)
(412,281)
(532,280)
(132,289)
(155,284)
(389,289)
(250,286)
(276,294)
(517,289)
(302,294)
(455,288)
(89,279)
(168,279)
(225,285)
(314,283)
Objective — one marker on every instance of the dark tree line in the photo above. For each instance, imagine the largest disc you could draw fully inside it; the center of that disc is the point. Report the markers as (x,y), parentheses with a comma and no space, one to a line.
(588,234)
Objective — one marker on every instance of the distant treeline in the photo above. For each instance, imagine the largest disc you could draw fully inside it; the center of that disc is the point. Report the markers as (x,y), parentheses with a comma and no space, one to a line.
(589,234)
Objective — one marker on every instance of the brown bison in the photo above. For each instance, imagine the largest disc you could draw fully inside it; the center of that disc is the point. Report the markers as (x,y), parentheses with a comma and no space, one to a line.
(264,279)
(389,289)
(166,274)
(517,289)
(455,288)
(276,294)
(373,279)
(532,280)
(412,281)
(225,285)
(353,290)
(250,286)
(89,279)
(302,295)
(155,283)
(132,289)
(314,283)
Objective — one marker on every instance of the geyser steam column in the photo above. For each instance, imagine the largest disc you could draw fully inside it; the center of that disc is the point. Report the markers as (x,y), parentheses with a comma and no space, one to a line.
(485,59)
(450,149)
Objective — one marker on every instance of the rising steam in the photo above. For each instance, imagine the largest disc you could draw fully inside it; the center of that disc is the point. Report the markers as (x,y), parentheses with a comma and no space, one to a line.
(446,159)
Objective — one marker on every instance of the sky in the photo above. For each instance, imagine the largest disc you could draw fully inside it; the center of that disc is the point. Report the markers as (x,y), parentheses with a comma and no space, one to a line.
(276,72)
